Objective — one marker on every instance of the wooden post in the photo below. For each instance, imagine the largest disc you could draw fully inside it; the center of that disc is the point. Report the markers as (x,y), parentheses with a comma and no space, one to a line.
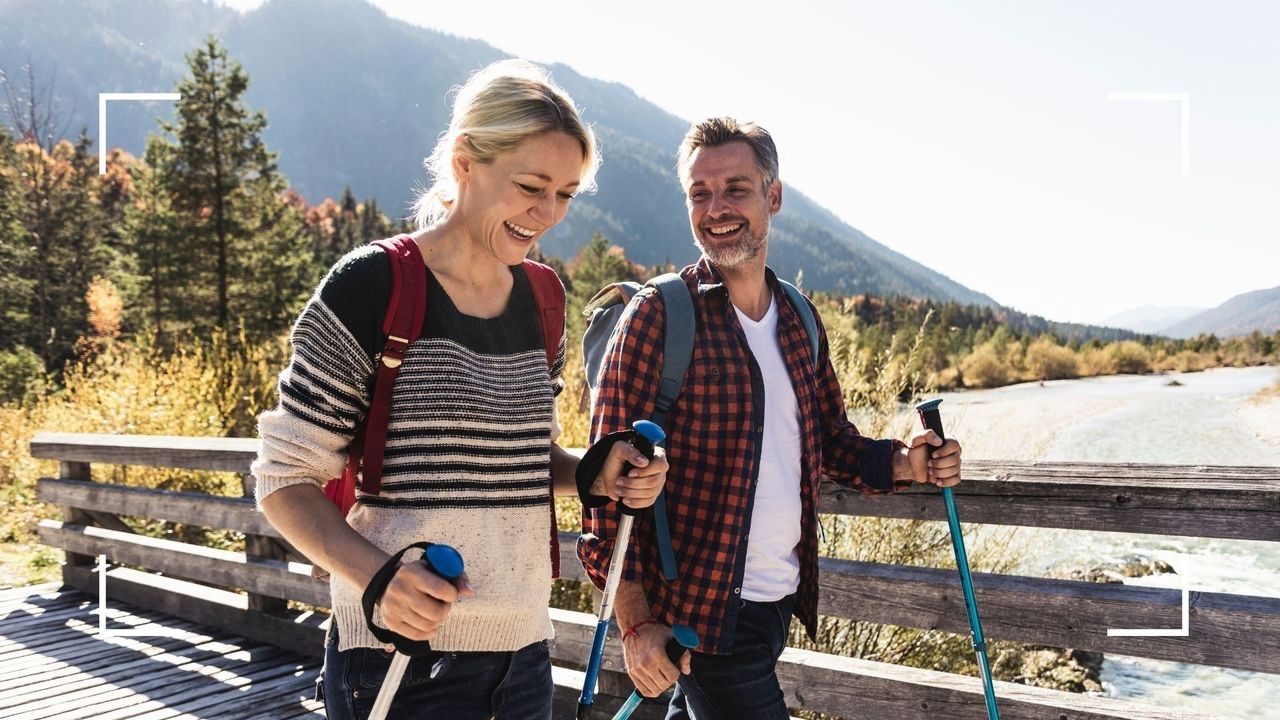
(263,547)
(68,470)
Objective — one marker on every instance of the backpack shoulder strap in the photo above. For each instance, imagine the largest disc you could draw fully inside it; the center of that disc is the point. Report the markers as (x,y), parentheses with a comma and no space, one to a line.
(806,315)
(548,297)
(677,352)
(402,324)
(677,348)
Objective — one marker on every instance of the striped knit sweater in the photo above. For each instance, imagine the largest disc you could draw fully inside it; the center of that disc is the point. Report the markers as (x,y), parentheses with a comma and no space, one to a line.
(468,444)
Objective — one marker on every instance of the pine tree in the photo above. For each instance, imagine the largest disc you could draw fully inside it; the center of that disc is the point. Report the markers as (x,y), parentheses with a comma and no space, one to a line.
(156,243)
(58,244)
(597,264)
(275,270)
(16,254)
(224,185)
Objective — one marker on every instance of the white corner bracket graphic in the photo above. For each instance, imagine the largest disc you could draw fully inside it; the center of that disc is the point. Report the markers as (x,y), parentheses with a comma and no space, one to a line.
(1183,631)
(101,612)
(102,118)
(1183,98)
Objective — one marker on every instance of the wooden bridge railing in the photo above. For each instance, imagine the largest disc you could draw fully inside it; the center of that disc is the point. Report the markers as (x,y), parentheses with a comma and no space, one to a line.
(1238,631)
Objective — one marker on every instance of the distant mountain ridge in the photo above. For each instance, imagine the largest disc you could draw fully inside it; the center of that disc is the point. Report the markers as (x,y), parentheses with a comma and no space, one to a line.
(356,98)
(1150,319)
(1243,314)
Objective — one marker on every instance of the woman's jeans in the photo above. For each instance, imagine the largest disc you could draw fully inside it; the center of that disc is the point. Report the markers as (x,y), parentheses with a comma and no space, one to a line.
(456,685)
(742,684)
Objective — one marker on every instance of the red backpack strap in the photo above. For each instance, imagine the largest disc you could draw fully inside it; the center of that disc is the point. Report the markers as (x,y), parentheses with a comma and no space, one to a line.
(402,325)
(548,298)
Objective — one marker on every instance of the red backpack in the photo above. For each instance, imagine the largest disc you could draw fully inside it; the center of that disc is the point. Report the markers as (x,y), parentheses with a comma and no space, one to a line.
(402,325)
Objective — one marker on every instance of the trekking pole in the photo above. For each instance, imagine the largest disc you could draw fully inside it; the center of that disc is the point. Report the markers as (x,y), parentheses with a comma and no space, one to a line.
(440,559)
(647,436)
(931,419)
(683,638)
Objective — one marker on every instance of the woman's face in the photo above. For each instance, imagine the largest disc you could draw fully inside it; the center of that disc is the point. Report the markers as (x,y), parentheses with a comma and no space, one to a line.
(508,204)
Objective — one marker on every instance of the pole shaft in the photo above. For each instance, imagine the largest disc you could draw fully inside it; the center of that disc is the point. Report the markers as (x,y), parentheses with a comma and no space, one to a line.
(971,604)
(390,684)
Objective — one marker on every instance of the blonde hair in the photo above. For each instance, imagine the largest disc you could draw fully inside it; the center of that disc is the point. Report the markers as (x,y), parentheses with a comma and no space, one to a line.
(499,107)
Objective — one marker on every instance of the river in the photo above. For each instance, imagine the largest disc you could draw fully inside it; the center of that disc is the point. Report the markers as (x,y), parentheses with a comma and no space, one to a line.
(1212,417)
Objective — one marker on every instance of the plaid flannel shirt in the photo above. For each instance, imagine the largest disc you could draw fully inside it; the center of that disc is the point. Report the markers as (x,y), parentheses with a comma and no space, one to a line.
(714,444)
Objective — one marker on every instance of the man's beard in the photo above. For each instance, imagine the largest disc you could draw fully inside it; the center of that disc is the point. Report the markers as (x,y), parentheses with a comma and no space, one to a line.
(743,250)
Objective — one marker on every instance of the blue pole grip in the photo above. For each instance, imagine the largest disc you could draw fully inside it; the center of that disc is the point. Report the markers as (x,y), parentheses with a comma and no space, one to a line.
(646,439)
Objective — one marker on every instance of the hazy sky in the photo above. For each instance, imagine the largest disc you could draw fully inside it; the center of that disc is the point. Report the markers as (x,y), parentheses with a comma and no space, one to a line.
(974,137)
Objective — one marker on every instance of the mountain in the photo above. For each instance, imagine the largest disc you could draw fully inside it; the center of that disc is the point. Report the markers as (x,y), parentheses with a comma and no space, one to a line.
(1150,319)
(1258,310)
(356,98)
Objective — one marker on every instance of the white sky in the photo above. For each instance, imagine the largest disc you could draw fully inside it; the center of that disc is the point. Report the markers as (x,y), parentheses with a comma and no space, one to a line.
(975,137)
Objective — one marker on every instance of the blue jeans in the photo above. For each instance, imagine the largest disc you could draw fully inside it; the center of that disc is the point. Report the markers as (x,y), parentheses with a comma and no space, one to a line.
(742,684)
(462,685)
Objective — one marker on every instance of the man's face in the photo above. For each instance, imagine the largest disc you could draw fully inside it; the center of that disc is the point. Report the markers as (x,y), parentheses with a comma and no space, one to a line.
(729,204)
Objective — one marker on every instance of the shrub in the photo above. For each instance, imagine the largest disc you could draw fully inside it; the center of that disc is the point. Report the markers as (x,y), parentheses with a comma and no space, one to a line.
(1095,361)
(1129,357)
(984,368)
(1184,361)
(1047,360)
(21,375)
(215,388)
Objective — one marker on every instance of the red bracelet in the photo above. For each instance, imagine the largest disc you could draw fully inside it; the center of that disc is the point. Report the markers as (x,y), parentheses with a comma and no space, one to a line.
(631,631)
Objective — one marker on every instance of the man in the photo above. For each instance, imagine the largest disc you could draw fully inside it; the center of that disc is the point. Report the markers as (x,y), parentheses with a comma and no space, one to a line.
(759,422)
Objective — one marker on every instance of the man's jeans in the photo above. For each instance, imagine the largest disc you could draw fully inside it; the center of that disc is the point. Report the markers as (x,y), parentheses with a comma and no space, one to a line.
(462,685)
(742,684)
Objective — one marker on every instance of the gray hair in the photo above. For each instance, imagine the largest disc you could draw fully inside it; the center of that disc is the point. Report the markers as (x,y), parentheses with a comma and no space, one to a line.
(717,131)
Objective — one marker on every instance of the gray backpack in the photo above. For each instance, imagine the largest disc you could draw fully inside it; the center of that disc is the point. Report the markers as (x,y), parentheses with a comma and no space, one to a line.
(602,315)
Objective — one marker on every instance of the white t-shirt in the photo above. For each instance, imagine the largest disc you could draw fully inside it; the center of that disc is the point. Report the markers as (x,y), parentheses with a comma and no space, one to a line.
(773,565)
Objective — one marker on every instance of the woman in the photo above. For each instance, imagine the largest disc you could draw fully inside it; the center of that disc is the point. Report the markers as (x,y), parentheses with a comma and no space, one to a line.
(472,424)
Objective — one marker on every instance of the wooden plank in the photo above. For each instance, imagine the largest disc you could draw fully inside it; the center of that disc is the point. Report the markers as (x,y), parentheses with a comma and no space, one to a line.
(1235,631)
(301,633)
(1223,477)
(87,696)
(861,688)
(227,689)
(194,453)
(1202,501)
(198,680)
(265,686)
(218,567)
(1226,630)
(15,615)
(89,652)
(27,593)
(131,668)
(208,682)
(183,507)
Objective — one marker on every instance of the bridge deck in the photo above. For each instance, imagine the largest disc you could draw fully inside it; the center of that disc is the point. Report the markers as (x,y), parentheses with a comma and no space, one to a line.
(56,665)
